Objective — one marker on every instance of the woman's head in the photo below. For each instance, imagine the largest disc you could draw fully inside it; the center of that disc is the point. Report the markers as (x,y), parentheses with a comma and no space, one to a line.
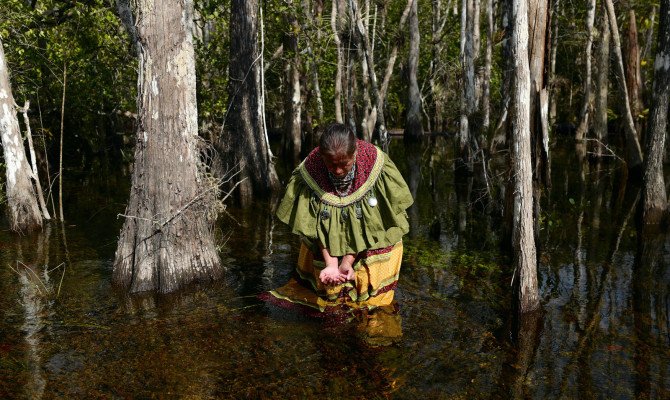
(337,147)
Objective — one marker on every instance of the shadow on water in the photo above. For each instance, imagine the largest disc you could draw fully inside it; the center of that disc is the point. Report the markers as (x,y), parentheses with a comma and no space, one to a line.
(603,333)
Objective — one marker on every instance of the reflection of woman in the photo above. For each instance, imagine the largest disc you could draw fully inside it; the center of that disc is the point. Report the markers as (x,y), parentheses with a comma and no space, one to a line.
(347,202)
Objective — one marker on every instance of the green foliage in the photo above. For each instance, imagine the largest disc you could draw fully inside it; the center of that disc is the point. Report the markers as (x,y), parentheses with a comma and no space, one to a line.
(87,39)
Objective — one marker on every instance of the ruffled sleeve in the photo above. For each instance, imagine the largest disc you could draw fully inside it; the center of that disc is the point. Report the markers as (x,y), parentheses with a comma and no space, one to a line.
(373,217)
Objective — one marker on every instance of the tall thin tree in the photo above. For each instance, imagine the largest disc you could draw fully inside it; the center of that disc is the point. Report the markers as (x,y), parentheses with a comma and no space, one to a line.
(523,237)
(584,113)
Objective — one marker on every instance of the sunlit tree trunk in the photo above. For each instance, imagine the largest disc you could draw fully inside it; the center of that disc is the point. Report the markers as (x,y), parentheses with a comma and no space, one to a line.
(633,74)
(246,136)
(413,126)
(633,151)
(583,126)
(166,240)
(340,61)
(602,86)
(24,212)
(654,197)
(523,237)
(293,117)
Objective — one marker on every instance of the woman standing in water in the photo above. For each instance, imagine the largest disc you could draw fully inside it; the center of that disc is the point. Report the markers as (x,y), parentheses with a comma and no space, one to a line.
(347,202)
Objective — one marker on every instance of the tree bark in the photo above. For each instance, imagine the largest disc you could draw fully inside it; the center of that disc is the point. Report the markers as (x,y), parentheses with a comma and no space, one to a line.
(380,125)
(538,14)
(583,126)
(33,164)
(436,86)
(468,99)
(602,86)
(552,69)
(293,118)
(633,151)
(633,74)
(340,62)
(166,240)
(654,197)
(413,125)
(486,80)
(250,149)
(523,237)
(24,213)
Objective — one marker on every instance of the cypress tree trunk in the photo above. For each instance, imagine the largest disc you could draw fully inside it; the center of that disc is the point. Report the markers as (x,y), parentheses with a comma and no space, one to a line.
(413,126)
(633,74)
(583,126)
(24,213)
(633,151)
(538,14)
(165,241)
(340,62)
(486,80)
(293,119)
(602,88)
(468,99)
(523,237)
(654,197)
(250,148)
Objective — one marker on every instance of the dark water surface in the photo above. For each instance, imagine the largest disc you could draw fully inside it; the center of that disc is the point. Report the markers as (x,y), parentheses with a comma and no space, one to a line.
(65,332)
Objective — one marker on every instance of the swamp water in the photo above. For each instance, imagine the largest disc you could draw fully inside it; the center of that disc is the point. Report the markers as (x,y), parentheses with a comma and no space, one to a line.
(65,332)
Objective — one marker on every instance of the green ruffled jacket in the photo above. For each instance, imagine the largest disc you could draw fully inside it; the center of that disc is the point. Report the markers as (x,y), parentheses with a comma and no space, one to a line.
(350,224)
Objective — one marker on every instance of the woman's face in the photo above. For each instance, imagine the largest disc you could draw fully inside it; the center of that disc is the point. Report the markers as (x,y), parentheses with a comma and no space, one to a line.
(339,164)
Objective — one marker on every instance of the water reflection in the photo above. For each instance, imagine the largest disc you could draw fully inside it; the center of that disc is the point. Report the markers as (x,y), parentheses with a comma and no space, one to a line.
(604,332)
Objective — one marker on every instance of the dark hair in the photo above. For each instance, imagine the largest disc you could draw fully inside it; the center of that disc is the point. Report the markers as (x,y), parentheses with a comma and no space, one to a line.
(337,138)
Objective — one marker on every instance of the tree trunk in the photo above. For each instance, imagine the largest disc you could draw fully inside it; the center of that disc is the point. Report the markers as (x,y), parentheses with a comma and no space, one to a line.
(468,99)
(649,39)
(633,151)
(654,197)
(583,126)
(538,13)
(633,74)
(552,69)
(313,63)
(436,86)
(292,125)
(391,61)
(413,126)
(501,132)
(488,56)
(250,149)
(380,126)
(525,260)
(602,86)
(166,240)
(340,62)
(24,213)
(33,159)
